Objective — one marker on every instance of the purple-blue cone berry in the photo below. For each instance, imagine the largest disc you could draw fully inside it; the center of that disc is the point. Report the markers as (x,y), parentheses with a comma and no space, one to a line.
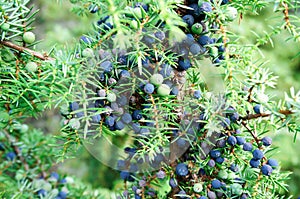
(247,146)
(215,154)
(257,108)
(188,19)
(149,88)
(266,170)
(254,163)
(232,140)
(257,154)
(216,184)
(173,182)
(240,140)
(182,169)
(267,141)
(273,163)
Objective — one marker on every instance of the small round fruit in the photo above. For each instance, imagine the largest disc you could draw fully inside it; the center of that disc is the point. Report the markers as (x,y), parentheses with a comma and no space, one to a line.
(247,146)
(29,37)
(266,170)
(213,51)
(197,28)
(182,169)
(173,183)
(31,67)
(5,26)
(222,174)
(137,12)
(254,163)
(231,13)
(211,163)
(257,109)
(198,187)
(74,123)
(204,40)
(184,64)
(267,141)
(134,24)
(163,90)
(188,19)
(234,168)
(195,49)
(216,184)
(156,79)
(149,88)
(10,156)
(88,52)
(111,97)
(24,128)
(236,189)
(257,154)
(215,154)
(197,94)
(273,163)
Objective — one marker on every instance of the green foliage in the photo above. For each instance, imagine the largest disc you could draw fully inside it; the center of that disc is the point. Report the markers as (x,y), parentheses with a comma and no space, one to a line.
(31,82)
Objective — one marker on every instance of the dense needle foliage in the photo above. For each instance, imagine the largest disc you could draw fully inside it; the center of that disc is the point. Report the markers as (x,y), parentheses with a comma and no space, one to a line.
(189,104)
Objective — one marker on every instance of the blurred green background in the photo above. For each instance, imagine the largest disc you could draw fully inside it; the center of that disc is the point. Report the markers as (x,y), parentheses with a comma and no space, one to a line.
(57,25)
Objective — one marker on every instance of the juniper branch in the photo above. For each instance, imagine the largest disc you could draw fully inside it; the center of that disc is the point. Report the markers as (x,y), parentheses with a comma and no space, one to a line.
(16,150)
(24,49)
(260,115)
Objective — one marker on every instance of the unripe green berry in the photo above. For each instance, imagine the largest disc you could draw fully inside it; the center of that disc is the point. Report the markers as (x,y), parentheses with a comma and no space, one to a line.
(5,26)
(231,13)
(24,128)
(156,79)
(74,123)
(236,189)
(223,174)
(88,52)
(28,37)
(137,12)
(213,51)
(128,11)
(197,28)
(133,24)
(198,187)
(163,90)
(111,97)
(31,67)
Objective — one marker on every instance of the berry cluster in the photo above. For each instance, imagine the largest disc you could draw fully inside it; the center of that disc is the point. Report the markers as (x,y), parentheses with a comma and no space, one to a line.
(17,155)
(53,185)
(187,159)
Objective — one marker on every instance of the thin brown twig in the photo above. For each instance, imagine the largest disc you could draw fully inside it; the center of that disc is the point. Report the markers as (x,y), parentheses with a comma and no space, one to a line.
(260,115)
(24,49)
(17,150)
(286,14)
(251,132)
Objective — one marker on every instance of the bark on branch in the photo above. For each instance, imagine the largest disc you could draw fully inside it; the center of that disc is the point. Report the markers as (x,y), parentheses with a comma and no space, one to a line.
(254,116)
(24,49)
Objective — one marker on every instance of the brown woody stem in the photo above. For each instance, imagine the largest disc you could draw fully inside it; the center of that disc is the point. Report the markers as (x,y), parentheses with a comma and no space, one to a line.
(24,49)
(17,151)
(254,116)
